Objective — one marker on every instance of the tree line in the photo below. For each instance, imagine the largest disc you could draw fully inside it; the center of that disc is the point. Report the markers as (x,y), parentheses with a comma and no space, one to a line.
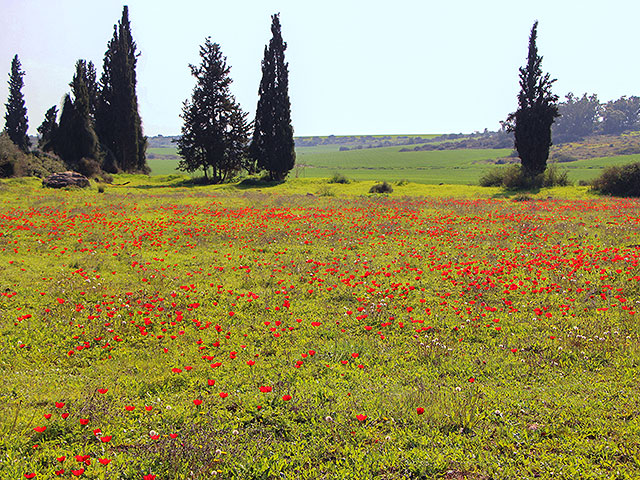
(586,115)
(99,128)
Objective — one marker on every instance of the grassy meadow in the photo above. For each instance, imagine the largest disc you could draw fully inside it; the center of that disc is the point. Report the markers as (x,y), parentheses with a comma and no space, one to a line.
(460,167)
(311,331)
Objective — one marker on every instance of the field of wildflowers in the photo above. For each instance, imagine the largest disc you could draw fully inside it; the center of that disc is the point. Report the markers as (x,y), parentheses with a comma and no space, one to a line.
(157,334)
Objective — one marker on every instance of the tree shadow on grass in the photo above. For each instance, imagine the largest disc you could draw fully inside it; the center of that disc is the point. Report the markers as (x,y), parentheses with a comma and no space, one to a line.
(246,184)
(516,193)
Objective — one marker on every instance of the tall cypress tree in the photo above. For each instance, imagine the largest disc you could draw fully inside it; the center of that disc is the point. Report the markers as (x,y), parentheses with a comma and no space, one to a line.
(118,122)
(272,147)
(75,139)
(537,110)
(47,129)
(16,122)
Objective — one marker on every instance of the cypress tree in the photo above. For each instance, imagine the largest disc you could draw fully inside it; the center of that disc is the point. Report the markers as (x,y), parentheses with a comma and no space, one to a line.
(93,91)
(118,122)
(272,147)
(537,110)
(47,129)
(75,140)
(215,133)
(16,122)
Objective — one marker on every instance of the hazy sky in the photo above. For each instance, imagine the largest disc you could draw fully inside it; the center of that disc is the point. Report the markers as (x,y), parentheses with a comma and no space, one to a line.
(355,66)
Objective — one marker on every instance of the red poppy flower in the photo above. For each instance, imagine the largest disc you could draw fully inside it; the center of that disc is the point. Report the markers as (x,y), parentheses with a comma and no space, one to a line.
(286,398)
(103,390)
(39,429)
(266,389)
(78,472)
(29,475)
(129,408)
(59,404)
(419,410)
(361,417)
(224,394)
(84,421)
(104,461)
(211,382)
(105,438)
(197,402)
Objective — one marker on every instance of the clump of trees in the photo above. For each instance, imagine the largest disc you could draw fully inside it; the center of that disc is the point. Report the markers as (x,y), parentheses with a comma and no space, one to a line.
(99,127)
(586,115)
(215,133)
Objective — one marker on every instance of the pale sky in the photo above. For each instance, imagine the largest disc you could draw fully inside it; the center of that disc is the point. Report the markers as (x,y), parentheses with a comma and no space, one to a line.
(355,66)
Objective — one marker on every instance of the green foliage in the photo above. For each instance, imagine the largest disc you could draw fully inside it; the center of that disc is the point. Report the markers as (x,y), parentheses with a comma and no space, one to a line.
(537,110)
(621,181)
(272,147)
(16,122)
(75,139)
(215,132)
(383,187)
(620,115)
(514,177)
(579,118)
(11,157)
(47,129)
(117,119)
(338,177)
(15,163)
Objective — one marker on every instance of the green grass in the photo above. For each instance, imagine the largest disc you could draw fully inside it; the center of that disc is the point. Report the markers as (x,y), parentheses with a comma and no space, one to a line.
(565,404)
(481,337)
(462,167)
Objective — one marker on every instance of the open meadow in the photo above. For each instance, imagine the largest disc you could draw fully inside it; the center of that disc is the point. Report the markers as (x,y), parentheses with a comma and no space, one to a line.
(160,332)
(458,167)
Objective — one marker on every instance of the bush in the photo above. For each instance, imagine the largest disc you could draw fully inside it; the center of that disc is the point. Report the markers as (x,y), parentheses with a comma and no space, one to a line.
(619,181)
(325,191)
(15,163)
(513,178)
(89,167)
(383,187)
(564,158)
(339,178)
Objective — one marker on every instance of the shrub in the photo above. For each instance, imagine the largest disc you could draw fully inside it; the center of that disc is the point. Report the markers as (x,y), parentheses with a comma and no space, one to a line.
(89,167)
(513,178)
(383,187)
(325,191)
(563,157)
(339,178)
(402,182)
(15,163)
(621,181)
(554,177)
(494,177)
